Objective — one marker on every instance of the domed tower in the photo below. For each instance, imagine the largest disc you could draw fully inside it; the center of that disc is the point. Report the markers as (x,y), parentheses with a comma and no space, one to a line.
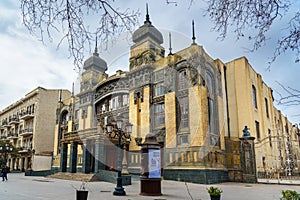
(147,44)
(94,71)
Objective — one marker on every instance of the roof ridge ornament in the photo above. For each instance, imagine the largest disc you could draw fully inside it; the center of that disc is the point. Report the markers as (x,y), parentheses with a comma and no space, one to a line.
(170,45)
(96,48)
(193,29)
(147,15)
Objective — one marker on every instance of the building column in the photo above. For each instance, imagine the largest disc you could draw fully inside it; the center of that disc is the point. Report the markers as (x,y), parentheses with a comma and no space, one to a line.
(73,157)
(26,163)
(63,157)
(86,158)
(99,155)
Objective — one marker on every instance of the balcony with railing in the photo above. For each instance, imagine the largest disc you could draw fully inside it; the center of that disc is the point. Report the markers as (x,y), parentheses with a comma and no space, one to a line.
(12,136)
(14,121)
(26,132)
(24,149)
(5,124)
(3,138)
(26,115)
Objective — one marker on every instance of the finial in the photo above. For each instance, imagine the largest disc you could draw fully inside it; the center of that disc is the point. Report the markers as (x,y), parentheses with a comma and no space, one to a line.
(73,89)
(59,95)
(147,15)
(96,48)
(170,44)
(193,28)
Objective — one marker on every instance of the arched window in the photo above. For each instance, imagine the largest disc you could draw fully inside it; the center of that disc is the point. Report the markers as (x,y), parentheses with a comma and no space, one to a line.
(254,98)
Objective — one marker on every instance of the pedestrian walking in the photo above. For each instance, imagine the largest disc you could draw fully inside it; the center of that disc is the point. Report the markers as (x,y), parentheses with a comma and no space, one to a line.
(4,171)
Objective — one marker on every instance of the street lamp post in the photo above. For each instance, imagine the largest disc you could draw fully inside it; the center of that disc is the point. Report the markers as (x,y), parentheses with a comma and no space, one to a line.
(114,130)
(6,149)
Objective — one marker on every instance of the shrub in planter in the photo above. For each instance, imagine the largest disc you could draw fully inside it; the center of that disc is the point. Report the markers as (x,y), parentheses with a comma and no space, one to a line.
(289,195)
(214,192)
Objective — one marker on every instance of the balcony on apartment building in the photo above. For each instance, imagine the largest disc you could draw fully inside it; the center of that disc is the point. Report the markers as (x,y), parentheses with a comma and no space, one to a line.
(5,124)
(14,121)
(3,138)
(26,132)
(24,149)
(27,115)
(12,136)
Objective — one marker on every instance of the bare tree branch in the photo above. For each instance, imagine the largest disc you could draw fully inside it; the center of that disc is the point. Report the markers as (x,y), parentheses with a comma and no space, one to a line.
(288,97)
(291,40)
(257,16)
(71,21)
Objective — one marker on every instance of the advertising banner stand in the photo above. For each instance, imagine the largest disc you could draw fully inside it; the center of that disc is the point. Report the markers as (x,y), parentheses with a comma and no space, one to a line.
(150,167)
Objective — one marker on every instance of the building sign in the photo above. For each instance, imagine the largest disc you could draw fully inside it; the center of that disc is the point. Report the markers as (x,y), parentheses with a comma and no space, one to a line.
(154,163)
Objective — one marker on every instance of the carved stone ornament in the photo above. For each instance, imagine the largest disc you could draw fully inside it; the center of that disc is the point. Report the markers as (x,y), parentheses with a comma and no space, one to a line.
(144,58)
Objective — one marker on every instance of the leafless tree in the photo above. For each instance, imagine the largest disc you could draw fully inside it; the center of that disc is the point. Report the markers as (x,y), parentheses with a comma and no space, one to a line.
(257,16)
(78,22)
(71,19)
(288,96)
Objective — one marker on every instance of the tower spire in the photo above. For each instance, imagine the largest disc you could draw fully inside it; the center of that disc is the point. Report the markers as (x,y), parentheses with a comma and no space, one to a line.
(170,44)
(193,29)
(147,15)
(96,48)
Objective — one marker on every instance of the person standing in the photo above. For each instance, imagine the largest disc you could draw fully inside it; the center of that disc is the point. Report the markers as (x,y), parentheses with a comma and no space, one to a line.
(4,171)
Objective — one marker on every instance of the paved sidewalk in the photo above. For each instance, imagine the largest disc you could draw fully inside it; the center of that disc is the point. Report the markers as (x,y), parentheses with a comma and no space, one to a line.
(20,187)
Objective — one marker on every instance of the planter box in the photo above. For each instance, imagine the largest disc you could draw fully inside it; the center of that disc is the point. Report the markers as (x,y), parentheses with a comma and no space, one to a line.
(81,195)
(215,197)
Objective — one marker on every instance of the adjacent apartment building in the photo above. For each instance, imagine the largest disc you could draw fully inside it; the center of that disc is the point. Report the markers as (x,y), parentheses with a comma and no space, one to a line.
(28,125)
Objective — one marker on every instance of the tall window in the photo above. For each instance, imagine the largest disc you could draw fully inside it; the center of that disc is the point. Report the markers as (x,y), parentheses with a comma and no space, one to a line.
(267,107)
(257,130)
(159,89)
(184,111)
(254,96)
(125,100)
(114,103)
(182,80)
(210,102)
(159,114)
(270,137)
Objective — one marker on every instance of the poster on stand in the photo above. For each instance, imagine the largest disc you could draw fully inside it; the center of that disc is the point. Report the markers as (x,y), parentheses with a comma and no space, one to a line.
(154,163)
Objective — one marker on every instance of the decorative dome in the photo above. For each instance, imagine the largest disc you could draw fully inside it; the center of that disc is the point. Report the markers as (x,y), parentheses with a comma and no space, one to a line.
(147,31)
(95,62)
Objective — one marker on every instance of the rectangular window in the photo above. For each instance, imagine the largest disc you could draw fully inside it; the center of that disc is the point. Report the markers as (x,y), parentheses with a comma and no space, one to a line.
(183,139)
(270,137)
(182,80)
(257,130)
(125,100)
(254,98)
(159,89)
(184,111)
(159,114)
(267,107)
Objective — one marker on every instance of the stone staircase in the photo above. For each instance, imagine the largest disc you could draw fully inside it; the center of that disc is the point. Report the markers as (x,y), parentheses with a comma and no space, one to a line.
(75,176)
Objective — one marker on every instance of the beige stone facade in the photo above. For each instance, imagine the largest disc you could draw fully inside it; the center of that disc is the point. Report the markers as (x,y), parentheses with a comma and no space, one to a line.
(251,104)
(196,106)
(28,125)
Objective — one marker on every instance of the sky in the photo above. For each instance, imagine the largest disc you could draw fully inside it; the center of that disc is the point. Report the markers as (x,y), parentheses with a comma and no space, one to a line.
(26,63)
